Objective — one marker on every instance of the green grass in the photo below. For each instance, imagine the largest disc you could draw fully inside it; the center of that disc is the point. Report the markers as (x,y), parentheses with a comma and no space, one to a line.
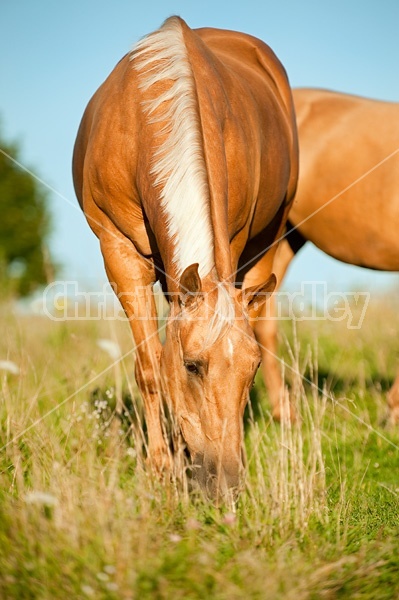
(80,517)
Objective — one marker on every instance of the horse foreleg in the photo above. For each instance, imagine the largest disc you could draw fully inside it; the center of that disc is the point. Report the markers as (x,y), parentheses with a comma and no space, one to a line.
(266,333)
(264,323)
(132,277)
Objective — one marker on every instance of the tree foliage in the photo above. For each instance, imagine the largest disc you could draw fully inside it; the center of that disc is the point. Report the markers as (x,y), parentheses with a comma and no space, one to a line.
(24,225)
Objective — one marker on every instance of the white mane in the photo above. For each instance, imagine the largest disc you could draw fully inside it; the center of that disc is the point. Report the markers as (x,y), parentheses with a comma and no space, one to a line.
(223,316)
(178,162)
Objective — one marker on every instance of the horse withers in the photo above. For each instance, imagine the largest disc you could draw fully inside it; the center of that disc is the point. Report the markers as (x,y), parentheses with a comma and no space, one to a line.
(185,165)
(347,201)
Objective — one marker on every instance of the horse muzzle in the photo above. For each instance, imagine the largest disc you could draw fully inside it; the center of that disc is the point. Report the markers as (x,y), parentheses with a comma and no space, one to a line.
(220,481)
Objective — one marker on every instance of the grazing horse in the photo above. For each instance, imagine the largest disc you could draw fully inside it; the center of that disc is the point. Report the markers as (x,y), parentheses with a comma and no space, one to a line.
(185,165)
(347,201)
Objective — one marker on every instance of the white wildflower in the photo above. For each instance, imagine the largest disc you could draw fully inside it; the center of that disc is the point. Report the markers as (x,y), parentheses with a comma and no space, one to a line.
(41,498)
(110,569)
(8,365)
(110,347)
(88,590)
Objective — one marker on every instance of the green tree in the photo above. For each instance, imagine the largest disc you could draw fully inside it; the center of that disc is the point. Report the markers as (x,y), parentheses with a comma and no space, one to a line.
(24,226)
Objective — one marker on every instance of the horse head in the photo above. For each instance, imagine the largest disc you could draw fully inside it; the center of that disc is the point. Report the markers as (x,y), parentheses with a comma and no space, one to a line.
(208,364)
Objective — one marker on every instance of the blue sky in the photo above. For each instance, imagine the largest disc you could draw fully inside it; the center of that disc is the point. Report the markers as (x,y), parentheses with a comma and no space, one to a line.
(54,55)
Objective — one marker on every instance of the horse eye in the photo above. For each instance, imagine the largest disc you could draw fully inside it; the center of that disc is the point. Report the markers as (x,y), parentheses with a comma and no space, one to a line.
(192,368)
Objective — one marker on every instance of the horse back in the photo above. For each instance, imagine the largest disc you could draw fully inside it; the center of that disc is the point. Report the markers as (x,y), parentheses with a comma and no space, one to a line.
(347,202)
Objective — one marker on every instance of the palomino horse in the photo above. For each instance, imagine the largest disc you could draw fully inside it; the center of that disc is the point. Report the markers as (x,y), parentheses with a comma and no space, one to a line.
(347,202)
(185,165)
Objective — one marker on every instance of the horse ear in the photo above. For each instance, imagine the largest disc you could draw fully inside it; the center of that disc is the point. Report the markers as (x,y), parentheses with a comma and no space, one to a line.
(190,285)
(258,294)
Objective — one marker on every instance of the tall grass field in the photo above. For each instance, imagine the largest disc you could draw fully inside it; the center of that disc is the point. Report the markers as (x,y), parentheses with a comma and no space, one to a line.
(81,517)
